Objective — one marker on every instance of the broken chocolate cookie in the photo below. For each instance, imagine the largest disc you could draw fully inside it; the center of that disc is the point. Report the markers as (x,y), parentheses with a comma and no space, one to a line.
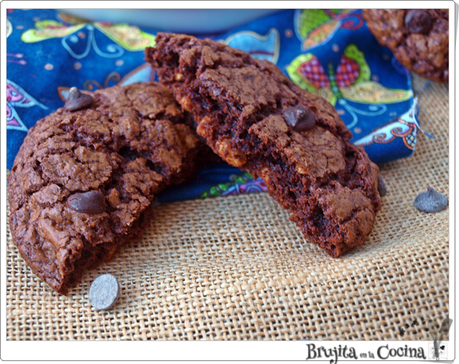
(85,175)
(256,119)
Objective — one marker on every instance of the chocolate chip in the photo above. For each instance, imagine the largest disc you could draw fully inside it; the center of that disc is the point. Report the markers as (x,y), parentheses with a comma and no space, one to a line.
(77,100)
(418,21)
(300,119)
(430,201)
(381,187)
(91,202)
(104,292)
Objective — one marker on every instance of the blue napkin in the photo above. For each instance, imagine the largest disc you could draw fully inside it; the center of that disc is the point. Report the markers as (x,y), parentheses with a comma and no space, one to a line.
(328,52)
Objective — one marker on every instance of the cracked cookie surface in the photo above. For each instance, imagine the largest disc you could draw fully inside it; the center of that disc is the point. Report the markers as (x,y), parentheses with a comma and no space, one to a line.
(419,38)
(255,118)
(82,180)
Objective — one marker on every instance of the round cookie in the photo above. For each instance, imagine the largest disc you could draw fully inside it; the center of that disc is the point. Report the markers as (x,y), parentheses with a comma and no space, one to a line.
(85,175)
(417,37)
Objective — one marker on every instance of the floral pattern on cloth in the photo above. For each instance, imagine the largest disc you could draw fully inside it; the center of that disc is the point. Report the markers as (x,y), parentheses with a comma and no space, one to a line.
(328,52)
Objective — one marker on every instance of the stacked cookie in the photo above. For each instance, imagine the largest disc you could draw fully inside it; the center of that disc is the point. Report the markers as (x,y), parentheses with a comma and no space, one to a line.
(85,175)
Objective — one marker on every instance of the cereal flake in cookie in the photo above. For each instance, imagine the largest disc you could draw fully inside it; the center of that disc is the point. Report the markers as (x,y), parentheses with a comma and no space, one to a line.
(83,179)
(255,118)
(417,37)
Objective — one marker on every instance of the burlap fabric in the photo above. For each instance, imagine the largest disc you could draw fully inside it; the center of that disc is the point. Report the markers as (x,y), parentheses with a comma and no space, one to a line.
(234,268)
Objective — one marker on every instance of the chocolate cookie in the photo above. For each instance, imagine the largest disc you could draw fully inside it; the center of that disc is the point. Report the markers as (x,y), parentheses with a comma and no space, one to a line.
(255,118)
(85,175)
(417,37)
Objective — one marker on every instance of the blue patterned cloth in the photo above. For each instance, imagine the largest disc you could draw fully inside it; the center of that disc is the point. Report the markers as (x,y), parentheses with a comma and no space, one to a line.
(328,52)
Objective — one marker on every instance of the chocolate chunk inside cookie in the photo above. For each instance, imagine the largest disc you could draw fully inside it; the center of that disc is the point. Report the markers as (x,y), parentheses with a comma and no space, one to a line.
(300,119)
(418,21)
(77,100)
(91,202)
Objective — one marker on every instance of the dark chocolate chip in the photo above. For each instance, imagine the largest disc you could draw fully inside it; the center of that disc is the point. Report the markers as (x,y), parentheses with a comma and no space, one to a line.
(300,119)
(77,100)
(91,202)
(104,292)
(418,21)
(430,201)
(381,187)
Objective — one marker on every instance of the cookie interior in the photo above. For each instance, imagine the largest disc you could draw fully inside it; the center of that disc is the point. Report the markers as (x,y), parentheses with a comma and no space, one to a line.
(328,184)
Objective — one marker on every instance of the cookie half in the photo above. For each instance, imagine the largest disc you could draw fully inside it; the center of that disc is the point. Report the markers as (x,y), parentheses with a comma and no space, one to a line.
(83,179)
(419,38)
(256,119)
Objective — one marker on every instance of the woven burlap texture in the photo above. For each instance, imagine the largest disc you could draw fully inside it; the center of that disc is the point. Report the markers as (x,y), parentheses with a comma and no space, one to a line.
(235,268)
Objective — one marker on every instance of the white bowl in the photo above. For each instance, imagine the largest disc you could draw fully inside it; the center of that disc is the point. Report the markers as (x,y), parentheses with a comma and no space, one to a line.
(197,21)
